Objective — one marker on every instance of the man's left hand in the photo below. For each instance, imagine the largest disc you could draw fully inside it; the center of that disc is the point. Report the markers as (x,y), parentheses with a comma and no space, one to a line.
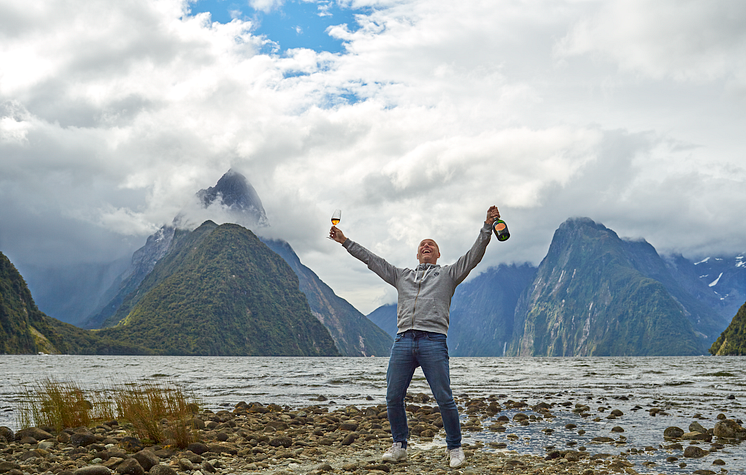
(492,215)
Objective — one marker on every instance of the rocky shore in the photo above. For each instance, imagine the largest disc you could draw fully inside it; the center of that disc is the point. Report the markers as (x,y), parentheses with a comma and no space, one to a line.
(257,439)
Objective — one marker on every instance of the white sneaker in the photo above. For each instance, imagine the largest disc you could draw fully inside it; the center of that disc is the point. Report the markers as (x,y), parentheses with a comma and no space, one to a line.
(456,456)
(395,454)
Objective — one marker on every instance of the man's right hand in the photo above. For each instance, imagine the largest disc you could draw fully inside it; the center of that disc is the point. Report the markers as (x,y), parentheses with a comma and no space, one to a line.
(337,234)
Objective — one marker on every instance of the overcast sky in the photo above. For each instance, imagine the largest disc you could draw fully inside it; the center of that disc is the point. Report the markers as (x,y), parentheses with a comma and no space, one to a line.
(413,117)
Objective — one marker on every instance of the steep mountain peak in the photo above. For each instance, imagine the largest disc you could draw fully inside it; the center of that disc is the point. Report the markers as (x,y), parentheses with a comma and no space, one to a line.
(579,239)
(577,221)
(580,227)
(234,192)
(231,200)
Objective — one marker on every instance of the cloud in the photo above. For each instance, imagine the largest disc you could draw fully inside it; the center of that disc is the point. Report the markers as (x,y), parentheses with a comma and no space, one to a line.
(683,40)
(112,116)
(266,6)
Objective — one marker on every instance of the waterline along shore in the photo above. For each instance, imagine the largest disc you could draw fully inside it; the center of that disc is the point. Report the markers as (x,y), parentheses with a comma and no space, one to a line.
(272,439)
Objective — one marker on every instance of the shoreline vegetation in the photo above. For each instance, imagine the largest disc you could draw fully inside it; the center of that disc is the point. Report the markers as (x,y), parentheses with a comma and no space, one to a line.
(133,429)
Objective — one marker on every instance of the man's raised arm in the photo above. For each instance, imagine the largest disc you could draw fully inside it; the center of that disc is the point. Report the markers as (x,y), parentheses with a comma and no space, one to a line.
(377,264)
(461,268)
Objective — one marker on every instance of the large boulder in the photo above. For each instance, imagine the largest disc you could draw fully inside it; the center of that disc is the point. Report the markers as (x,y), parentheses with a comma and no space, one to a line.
(695,452)
(130,467)
(147,459)
(7,434)
(729,429)
(33,432)
(673,432)
(82,439)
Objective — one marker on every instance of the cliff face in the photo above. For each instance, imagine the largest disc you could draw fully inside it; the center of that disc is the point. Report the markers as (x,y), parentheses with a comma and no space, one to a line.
(589,299)
(732,342)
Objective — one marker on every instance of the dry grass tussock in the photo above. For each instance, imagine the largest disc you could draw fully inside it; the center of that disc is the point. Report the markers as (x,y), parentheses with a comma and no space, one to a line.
(155,412)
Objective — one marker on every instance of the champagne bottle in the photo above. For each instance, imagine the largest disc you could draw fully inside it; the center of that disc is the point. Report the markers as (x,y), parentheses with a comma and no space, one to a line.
(501,230)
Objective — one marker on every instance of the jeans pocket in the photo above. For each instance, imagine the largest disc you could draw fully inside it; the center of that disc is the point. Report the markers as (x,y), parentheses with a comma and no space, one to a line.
(436,337)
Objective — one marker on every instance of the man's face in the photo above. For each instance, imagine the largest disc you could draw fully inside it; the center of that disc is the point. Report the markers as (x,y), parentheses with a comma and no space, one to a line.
(428,252)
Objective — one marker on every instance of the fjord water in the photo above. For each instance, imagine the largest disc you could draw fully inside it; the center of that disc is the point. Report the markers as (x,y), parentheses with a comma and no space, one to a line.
(683,387)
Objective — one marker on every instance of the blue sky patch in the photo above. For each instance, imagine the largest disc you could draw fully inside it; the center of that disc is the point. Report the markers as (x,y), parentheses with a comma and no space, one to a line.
(294,24)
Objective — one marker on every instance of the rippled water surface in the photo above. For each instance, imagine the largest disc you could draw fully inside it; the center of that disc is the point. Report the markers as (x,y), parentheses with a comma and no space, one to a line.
(682,386)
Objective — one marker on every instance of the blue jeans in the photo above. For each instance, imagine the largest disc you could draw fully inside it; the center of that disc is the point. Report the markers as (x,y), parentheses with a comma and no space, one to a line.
(428,350)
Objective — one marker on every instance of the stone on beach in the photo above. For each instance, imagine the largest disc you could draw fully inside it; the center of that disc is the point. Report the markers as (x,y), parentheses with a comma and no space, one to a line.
(673,432)
(6,434)
(729,429)
(92,470)
(33,432)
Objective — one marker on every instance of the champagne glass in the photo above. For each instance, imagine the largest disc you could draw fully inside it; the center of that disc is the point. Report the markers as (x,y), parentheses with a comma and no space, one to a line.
(336,218)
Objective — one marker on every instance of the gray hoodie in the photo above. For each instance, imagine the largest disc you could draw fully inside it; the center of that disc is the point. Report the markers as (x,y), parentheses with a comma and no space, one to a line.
(425,292)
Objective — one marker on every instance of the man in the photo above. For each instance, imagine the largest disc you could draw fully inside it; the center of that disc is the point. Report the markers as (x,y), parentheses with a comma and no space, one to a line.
(422,319)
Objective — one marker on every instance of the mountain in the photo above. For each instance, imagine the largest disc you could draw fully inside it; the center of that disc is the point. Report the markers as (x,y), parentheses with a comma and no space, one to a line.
(168,249)
(704,316)
(22,326)
(354,334)
(725,276)
(384,317)
(236,194)
(593,294)
(591,297)
(141,265)
(733,340)
(221,291)
(232,196)
(24,329)
(482,310)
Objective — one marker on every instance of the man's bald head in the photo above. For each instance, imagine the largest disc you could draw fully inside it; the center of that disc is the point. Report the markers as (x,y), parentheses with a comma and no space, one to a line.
(428,252)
